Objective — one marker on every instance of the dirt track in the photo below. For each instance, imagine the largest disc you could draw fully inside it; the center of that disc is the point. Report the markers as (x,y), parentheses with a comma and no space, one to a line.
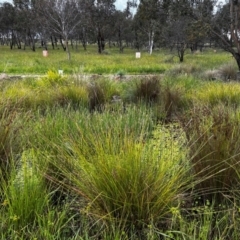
(5,76)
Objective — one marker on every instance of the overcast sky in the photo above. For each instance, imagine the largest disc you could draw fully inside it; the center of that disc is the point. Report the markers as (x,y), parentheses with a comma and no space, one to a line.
(120,4)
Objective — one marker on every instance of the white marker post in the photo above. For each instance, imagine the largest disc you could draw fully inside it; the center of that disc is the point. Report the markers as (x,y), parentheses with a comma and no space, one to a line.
(45,53)
(60,72)
(138,55)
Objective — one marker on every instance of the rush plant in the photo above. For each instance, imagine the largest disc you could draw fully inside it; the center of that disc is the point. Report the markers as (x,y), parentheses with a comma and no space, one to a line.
(123,178)
(213,135)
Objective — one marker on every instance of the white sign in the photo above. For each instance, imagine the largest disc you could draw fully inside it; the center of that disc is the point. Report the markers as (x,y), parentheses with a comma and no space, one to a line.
(138,55)
(60,72)
(45,53)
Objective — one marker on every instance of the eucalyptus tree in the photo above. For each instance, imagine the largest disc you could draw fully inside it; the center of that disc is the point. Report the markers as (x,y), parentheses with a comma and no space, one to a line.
(100,19)
(203,14)
(148,18)
(7,22)
(123,21)
(226,28)
(186,24)
(26,22)
(120,25)
(177,28)
(61,17)
(83,29)
(223,25)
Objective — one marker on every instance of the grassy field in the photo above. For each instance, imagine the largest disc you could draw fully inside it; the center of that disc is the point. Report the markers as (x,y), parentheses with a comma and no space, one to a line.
(156,157)
(19,61)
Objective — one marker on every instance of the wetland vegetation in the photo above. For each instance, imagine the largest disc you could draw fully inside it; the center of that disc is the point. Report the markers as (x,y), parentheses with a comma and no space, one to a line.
(156,157)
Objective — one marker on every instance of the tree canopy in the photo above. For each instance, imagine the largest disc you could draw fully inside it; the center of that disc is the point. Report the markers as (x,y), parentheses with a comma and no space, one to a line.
(173,24)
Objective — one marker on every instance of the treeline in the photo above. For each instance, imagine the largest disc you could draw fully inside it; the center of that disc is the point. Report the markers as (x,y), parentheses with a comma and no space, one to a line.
(174,24)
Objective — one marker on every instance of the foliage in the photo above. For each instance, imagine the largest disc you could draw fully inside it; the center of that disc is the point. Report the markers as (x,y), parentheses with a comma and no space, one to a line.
(123,178)
(100,92)
(120,173)
(146,89)
(9,138)
(211,75)
(214,148)
(52,78)
(173,99)
(183,69)
(213,93)
(24,188)
(228,72)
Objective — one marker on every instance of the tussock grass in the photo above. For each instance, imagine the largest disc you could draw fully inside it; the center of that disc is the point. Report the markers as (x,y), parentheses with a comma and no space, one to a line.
(214,148)
(217,92)
(25,207)
(120,174)
(100,92)
(146,89)
(211,75)
(10,125)
(24,188)
(48,91)
(228,71)
(185,69)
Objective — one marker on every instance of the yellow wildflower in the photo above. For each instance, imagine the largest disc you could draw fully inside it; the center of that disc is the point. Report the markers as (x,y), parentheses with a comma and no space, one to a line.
(5,203)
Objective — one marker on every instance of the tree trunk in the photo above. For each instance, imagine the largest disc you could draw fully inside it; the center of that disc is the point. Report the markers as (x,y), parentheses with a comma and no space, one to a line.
(44,44)
(76,44)
(84,44)
(150,38)
(234,9)
(137,44)
(31,41)
(100,41)
(55,42)
(237,58)
(64,47)
(84,39)
(68,50)
(52,42)
(181,50)
(120,40)
(18,41)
